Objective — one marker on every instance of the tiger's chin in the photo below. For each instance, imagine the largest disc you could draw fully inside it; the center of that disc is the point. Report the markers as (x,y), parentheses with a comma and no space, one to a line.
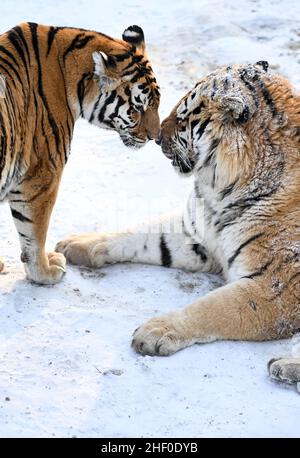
(183,165)
(182,169)
(134,143)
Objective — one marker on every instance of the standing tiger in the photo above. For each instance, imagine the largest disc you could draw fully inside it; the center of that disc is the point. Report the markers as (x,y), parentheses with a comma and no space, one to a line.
(238,132)
(51,76)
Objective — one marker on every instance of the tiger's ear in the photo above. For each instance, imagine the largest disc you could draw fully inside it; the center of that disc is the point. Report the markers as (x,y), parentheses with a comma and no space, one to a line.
(236,107)
(104,70)
(135,36)
(263,64)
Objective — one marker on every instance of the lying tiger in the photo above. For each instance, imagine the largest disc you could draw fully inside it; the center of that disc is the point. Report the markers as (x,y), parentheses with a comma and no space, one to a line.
(238,132)
(49,77)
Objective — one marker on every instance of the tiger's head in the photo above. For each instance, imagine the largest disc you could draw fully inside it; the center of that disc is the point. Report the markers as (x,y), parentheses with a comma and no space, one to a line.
(128,95)
(225,108)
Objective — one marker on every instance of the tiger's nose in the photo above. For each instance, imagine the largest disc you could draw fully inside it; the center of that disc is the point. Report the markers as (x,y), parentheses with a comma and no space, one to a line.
(158,139)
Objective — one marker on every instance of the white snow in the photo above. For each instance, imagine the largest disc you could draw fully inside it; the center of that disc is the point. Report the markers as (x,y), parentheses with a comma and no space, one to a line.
(66,366)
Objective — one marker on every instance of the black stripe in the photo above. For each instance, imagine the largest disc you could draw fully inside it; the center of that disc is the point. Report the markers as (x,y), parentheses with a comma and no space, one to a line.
(235,210)
(194,123)
(9,54)
(197,110)
(202,128)
(182,141)
(250,86)
(209,159)
(266,95)
(6,62)
(94,109)
(19,31)
(239,249)
(133,40)
(122,57)
(51,159)
(33,28)
(129,72)
(20,217)
(120,102)
(268,99)
(51,35)
(200,251)
(259,272)
(64,144)
(127,91)
(107,102)
(3,144)
(228,190)
(28,239)
(247,202)
(165,253)
(213,181)
(70,130)
(15,40)
(79,42)
(81,91)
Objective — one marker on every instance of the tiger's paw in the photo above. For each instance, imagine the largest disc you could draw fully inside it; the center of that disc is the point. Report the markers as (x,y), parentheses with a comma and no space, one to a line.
(57,267)
(161,336)
(49,274)
(57,260)
(1,265)
(85,249)
(285,370)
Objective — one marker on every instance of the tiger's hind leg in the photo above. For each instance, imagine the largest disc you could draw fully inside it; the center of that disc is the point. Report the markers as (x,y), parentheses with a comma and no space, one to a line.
(31,207)
(285,370)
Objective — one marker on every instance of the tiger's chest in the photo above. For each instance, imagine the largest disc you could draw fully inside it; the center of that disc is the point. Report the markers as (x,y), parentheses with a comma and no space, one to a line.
(217,224)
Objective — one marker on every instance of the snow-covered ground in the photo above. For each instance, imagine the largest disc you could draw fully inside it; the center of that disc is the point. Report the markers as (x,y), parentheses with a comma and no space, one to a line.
(66,366)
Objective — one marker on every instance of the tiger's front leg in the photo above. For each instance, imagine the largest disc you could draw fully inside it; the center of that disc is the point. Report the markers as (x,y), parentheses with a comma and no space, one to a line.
(157,245)
(238,311)
(31,204)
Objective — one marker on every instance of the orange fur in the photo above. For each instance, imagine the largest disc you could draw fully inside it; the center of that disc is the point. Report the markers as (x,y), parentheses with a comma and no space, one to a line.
(51,81)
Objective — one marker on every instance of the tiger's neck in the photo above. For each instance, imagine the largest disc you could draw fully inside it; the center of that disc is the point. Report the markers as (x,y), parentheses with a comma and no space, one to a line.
(234,172)
(57,61)
(74,49)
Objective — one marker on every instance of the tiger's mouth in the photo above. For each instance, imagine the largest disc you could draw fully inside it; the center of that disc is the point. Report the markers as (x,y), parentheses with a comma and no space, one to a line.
(133,142)
(183,167)
(180,161)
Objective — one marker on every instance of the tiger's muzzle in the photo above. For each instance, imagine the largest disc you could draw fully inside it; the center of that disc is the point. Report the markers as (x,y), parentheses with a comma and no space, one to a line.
(180,159)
